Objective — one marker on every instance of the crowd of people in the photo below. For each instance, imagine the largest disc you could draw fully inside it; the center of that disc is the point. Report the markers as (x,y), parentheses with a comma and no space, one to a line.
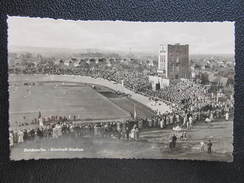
(128,130)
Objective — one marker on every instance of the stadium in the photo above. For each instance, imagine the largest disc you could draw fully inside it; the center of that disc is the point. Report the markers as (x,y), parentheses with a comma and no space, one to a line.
(84,100)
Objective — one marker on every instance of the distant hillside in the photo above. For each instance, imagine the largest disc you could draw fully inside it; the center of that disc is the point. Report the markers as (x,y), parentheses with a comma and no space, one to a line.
(67,52)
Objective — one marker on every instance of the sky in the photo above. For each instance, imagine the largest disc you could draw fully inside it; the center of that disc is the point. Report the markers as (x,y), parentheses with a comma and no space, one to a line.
(202,37)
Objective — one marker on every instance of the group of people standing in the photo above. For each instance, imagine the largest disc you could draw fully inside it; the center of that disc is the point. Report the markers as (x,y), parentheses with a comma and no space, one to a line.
(127,130)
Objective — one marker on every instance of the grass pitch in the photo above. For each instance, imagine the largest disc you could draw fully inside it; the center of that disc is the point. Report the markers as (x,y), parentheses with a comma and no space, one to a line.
(62,99)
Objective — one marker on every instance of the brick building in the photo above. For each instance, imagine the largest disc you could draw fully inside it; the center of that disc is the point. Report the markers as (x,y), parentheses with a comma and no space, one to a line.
(173,62)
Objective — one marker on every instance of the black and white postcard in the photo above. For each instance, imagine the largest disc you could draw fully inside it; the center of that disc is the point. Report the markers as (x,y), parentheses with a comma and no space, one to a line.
(117,89)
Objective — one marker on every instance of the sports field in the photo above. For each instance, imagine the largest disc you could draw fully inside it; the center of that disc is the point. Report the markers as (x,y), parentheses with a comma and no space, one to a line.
(61,99)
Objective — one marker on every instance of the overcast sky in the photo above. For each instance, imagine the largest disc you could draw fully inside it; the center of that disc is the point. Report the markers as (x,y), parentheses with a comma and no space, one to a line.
(203,38)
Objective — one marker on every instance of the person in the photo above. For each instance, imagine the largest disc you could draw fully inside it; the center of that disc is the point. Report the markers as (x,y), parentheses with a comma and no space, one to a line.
(59,130)
(184,120)
(118,125)
(211,116)
(133,133)
(227,116)
(209,146)
(20,137)
(171,119)
(161,123)
(202,144)
(127,133)
(55,132)
(190,122)
(174,139)
(11,139)
(96,130)
(40,120)
(177,118)
(137,133)
(119,130)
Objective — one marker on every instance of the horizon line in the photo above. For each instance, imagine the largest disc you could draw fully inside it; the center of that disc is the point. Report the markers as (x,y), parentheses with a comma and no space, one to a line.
(110,50)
